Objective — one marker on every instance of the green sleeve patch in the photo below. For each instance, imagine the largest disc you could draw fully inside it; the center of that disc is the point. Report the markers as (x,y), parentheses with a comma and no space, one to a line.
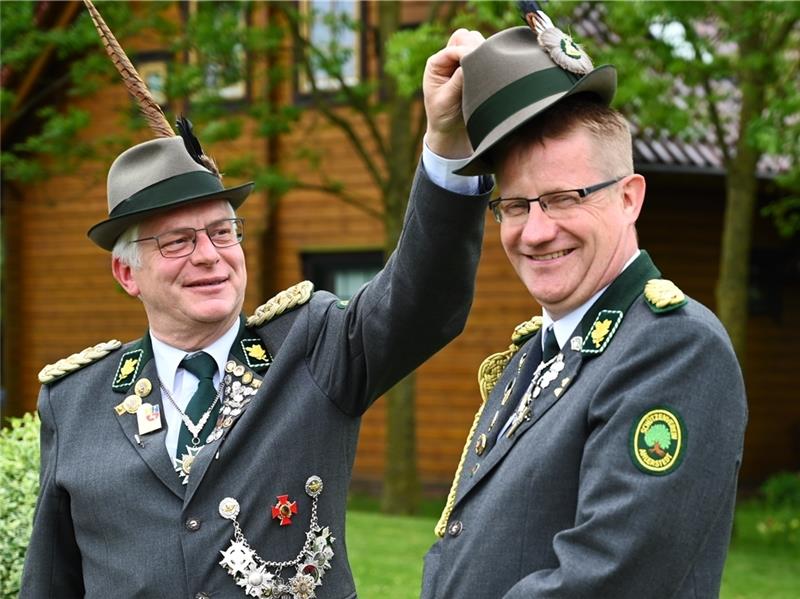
(657,441)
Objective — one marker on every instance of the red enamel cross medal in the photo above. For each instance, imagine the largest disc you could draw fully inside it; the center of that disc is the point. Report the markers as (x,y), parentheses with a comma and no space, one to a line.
(284,509)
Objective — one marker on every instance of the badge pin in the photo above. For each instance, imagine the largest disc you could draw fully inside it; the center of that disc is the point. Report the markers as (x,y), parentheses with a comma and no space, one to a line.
(284,509)
(480,445)
(314,486)
(148,418)
(143,387)
(120,408)
(132,404)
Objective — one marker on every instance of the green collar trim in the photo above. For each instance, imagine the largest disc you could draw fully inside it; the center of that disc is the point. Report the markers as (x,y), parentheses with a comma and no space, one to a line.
(595,328)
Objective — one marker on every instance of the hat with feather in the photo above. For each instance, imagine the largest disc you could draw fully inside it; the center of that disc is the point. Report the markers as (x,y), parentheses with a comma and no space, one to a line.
(518,73)
(160,174)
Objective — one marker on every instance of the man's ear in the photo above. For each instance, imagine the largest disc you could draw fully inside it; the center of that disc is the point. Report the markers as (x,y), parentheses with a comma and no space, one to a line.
(633,196)
(123,273)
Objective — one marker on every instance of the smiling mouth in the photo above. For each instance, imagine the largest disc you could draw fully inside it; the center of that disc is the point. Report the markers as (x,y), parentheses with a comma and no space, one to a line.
(208,282)
(551,256)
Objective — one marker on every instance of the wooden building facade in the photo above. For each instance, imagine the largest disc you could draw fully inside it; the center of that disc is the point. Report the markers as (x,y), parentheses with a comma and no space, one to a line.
(59,296)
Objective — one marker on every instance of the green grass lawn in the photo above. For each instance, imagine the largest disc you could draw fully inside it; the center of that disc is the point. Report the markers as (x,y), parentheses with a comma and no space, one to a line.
(386,556)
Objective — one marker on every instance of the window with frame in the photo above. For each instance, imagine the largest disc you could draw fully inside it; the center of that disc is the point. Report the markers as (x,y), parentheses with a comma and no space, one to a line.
(332,30)
(341,273)
(222,65)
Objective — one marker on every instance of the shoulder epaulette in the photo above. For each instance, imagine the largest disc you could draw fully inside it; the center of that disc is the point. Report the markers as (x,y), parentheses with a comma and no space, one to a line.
(286,300)
(64,366)
(663,295)
(492,367)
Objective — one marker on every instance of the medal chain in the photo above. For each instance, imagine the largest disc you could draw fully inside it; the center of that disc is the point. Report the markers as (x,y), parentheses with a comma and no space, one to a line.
(240,538)
(193,428)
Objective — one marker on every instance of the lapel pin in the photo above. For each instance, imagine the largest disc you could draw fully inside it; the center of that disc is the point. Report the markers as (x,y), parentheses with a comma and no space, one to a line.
(143,387)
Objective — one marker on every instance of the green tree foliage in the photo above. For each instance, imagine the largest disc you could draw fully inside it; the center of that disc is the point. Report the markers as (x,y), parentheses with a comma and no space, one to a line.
(19,486)
(658,438)
(725,73)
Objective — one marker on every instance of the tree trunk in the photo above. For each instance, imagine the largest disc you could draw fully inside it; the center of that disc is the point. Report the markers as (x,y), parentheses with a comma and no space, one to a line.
(401,491)
(740,187)
(401,484)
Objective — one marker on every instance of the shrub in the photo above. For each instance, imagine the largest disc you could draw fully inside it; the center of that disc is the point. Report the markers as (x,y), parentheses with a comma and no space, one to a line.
(781,522)
(19,486)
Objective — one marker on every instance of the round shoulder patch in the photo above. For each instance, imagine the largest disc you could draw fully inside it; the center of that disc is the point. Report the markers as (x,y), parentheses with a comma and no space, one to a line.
(657,441)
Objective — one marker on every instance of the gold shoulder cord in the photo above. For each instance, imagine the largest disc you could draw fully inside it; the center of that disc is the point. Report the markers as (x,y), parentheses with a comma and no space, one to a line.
(488,374)
(66,365)
(292,297)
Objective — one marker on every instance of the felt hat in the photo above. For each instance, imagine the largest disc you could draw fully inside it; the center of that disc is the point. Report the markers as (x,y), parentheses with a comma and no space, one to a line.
(156,176)
(518,73)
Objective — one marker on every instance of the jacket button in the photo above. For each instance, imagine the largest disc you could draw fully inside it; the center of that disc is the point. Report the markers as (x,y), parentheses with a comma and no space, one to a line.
(202,596)
(193,524)
(455,528)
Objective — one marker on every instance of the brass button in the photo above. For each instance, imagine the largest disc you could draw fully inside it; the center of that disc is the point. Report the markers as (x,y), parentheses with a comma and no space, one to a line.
(455,528)
(193,524)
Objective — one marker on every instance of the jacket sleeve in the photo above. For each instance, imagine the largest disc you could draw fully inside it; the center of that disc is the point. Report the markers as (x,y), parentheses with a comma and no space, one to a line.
(635,530)
(53,560)
(415,305)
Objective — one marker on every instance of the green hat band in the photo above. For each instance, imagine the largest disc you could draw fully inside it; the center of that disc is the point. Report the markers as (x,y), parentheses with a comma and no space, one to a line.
(187,185)
(514,97)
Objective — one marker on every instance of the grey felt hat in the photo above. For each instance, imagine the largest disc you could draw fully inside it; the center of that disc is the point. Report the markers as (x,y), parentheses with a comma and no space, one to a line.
(516,74)
(156,176)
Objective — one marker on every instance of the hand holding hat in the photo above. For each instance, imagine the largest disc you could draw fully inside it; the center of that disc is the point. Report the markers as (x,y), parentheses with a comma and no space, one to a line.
(442,84)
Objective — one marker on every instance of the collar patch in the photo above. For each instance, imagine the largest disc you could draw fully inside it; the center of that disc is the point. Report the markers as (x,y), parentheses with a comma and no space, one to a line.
(601,332)
(128,368)
(256,354)
(657,441)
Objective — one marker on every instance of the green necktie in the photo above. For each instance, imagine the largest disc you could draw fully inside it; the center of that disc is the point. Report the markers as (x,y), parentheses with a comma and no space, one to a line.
(550,345)
(204,368)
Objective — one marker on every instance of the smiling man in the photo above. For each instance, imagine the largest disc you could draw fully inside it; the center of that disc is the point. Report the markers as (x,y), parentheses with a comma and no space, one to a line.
(604,458)
(212,456)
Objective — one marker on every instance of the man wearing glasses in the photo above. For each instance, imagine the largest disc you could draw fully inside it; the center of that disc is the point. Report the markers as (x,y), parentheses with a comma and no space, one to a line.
(212,457)
(604,458)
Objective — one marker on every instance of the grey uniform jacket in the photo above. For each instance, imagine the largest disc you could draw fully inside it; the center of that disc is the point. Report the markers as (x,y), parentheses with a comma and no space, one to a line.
(114,520)
(622,482)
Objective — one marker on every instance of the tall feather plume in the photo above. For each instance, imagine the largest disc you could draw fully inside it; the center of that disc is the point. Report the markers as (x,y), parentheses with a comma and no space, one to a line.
(133,82)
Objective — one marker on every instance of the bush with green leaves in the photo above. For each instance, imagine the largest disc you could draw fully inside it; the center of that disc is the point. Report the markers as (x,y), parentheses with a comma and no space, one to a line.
(781,521)
(19,486)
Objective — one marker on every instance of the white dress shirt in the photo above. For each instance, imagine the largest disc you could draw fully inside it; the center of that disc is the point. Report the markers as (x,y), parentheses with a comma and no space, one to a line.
(180,383)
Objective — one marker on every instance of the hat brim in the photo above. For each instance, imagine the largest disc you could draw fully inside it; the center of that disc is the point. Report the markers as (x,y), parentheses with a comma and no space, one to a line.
(106,233)
(602,81)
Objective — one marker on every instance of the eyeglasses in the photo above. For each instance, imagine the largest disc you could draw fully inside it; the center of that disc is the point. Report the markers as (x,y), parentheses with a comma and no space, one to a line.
(180,243)
(514,211)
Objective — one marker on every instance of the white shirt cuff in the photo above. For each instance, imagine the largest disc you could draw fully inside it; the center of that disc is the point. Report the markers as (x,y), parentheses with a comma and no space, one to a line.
(440,171)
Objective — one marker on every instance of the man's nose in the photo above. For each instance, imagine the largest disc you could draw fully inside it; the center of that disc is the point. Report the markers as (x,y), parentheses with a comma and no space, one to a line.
(539,227)
(204,250)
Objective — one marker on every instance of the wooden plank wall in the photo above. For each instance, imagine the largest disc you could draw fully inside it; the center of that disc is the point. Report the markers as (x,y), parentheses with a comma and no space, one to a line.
(63,297)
